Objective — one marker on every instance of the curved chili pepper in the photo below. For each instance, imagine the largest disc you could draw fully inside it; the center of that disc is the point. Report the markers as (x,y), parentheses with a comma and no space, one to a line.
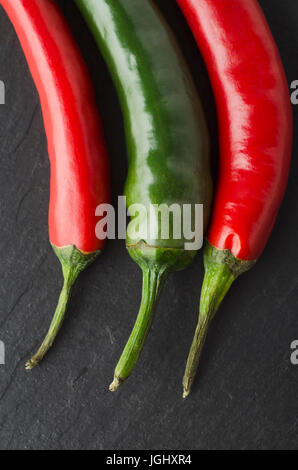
(166,138)
(77,151)
(255,124)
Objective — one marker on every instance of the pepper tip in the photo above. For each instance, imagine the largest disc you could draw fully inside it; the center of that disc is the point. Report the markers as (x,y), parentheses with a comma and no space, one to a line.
(115,384)
(30,364)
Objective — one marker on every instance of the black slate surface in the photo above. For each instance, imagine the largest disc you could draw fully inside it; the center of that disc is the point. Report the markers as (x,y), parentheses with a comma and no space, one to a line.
(246,393)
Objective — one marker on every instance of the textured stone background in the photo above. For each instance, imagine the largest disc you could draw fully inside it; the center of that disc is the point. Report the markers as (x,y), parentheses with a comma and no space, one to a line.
(246,393)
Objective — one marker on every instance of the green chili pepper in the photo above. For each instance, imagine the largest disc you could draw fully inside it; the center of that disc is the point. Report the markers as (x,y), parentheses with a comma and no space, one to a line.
(167,140)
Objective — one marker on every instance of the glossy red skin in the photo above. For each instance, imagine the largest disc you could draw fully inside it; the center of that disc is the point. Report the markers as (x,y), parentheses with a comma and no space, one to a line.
(77,150)
(255,120)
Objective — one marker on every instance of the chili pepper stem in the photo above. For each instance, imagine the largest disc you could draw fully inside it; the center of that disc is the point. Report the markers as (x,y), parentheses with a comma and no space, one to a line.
(195,354)
(217,281)
(70,278)
(153,280)
(73,262)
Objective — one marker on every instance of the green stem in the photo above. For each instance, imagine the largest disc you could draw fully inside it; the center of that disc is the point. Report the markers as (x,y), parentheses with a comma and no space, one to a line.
(215,287)
(153,280)
(73,262)
(69,281)
(221,270)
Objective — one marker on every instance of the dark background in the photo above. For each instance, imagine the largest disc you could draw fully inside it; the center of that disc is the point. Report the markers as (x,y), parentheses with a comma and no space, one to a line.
(246,393)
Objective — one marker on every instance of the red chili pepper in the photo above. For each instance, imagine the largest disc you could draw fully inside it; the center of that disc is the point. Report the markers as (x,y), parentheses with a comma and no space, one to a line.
(79,162)
(255,125)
